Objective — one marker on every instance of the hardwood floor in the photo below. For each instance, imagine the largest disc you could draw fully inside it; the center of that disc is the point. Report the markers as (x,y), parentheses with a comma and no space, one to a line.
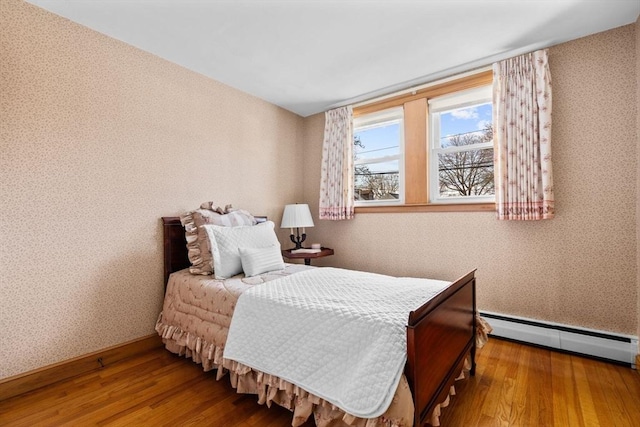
(515,385)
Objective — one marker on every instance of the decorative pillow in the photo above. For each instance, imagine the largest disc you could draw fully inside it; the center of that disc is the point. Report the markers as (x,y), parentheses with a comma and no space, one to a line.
(261,260)
(197,240)
(226,241)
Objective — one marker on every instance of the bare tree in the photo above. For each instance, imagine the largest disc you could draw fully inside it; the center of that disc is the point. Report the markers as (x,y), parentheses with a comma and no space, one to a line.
(359,169)
(382,185)
(372,185)
(470,172)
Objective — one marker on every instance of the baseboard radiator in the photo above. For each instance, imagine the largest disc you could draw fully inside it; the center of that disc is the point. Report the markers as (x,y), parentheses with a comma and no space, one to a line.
(621,349)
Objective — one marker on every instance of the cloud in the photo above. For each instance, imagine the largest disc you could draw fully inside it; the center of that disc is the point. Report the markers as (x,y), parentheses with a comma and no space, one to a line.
(465,113)
(483,123)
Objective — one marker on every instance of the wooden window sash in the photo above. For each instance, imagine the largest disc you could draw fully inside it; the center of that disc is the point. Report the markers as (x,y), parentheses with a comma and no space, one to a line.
(481,79)
(416,148)
(434,207)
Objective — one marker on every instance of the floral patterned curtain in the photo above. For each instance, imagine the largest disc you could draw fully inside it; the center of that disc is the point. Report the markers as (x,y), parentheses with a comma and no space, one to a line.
(522,137)
(336,183)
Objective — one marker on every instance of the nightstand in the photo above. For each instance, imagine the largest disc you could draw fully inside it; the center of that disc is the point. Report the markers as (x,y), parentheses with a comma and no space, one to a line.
(307,257)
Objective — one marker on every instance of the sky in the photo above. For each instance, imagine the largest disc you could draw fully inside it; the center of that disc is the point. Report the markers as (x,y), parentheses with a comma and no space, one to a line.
(465,120)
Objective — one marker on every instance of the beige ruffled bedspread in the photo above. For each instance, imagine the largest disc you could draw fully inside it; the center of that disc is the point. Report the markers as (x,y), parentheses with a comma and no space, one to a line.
(195,320)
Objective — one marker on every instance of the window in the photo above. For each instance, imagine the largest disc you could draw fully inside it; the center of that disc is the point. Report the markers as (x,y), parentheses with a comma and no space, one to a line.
(461,144)
(427,150)
(378,157)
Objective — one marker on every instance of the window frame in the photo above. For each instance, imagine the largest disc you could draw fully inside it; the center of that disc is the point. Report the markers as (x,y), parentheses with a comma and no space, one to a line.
(384,116)
(461,99)
(416,149)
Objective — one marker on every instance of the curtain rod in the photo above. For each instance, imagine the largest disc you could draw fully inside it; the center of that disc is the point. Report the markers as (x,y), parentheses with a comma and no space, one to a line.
(479,65)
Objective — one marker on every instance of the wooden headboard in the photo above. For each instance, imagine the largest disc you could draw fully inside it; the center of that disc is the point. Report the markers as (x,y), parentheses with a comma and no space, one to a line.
(175,245)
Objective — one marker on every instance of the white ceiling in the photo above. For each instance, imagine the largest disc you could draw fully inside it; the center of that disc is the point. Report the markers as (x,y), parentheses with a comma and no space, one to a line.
(310,55)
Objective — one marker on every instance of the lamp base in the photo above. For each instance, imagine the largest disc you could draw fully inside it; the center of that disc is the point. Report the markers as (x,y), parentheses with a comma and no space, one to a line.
(298,239)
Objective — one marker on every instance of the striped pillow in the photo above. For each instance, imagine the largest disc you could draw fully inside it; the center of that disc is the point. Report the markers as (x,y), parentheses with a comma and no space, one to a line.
(261,260)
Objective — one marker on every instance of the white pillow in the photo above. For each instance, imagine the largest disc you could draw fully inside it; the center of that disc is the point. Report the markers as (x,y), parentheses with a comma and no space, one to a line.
(225,242)
(261,260)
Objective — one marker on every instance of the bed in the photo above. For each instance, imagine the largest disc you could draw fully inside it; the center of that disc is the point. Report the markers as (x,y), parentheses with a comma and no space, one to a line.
(447,322)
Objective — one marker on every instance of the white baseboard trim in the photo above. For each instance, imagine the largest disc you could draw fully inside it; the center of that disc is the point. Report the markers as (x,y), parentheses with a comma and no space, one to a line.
(589,342)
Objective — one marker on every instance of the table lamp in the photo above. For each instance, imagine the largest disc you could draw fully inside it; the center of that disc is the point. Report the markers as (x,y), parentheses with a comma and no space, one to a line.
(297,216)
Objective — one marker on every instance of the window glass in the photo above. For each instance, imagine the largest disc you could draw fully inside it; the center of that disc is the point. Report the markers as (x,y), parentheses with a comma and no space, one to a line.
(378,141)
(466,173)
(378,181)
(461,167)
(378,157)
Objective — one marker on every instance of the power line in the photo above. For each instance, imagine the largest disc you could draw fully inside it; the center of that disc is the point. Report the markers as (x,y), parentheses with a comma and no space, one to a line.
(378,149)
(463,133)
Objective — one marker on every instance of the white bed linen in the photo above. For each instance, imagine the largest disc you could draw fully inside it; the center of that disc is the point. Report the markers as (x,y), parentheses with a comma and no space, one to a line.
(339,334)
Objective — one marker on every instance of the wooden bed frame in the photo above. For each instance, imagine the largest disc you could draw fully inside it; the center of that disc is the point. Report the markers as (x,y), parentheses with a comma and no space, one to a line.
(440,334)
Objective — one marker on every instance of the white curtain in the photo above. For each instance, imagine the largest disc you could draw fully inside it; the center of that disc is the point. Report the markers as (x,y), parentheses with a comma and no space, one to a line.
(337,179)
(522,137)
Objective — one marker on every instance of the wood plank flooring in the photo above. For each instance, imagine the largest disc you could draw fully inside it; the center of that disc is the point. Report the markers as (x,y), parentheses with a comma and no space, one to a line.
(515,385)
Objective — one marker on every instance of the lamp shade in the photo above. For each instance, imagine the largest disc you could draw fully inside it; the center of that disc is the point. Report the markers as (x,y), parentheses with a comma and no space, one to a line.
(296,216)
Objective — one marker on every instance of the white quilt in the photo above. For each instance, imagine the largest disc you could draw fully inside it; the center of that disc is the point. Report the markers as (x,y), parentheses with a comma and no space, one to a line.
(339,334)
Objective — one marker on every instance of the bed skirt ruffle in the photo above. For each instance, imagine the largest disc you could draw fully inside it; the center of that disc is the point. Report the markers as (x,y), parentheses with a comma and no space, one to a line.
(271,389)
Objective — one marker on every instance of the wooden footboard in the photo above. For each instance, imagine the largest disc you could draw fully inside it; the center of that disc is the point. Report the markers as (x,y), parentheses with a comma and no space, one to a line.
(440,334)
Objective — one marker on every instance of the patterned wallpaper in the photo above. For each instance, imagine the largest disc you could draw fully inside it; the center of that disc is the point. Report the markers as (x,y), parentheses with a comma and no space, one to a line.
(577,269)
(98,140)
(637,28)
